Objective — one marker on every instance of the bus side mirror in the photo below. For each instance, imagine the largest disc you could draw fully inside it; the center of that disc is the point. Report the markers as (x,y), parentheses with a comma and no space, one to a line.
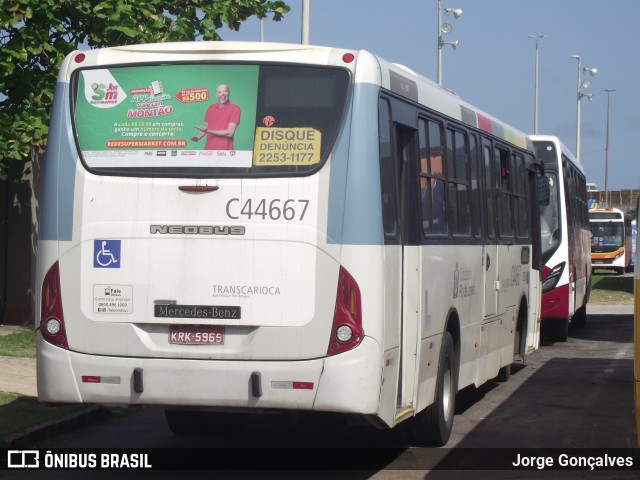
(544,191)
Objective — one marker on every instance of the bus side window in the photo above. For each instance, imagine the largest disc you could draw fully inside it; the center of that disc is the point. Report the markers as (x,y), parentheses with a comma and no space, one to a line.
(520,203)
(432,184)
(388,176)
(458,181)
(489,188)
(503,190)
(476,196)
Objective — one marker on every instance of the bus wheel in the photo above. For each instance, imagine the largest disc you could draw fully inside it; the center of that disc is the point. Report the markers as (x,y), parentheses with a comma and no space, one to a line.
(433,425)
(184,422)
(504,374)
(559,331)
(579,317)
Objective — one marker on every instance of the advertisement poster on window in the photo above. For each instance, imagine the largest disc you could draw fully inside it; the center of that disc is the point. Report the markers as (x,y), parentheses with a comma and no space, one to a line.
(167,116)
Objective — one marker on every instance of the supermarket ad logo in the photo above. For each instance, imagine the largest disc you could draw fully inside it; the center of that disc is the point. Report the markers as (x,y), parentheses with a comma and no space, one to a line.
(23,459)
(101,89)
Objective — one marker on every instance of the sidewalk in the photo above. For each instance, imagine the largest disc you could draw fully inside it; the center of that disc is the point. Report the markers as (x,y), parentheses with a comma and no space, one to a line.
(18,375)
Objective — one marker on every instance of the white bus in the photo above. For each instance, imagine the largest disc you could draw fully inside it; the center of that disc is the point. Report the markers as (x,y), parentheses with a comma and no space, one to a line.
(369,245)
(610,239)
(566,250)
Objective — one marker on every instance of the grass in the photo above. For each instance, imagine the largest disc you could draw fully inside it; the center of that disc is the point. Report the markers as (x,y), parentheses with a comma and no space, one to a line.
(611,288)
(18,412)
(20,344)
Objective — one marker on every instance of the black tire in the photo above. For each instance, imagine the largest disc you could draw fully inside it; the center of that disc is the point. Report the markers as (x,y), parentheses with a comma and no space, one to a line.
(579,317)
(184,422)
(433,425)
(559,329)
(504,374)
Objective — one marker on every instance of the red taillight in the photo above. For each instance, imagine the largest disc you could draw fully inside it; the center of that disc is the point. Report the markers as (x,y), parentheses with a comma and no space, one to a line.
(51,317)
(346,331)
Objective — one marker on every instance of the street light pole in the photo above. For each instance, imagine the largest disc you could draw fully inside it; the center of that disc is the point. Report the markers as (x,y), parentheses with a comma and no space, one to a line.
(581,84)
(535,88)
(445,28)
(305,22)
(606,152)
(439,73)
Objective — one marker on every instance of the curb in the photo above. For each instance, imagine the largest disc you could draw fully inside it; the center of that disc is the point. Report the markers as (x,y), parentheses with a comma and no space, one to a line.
(58,425)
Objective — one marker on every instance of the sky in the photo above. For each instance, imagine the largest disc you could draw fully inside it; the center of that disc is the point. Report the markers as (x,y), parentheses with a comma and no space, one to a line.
(493,67)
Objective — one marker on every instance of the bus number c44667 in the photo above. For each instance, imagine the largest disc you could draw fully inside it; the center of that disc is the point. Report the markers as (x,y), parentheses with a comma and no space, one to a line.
(275,209)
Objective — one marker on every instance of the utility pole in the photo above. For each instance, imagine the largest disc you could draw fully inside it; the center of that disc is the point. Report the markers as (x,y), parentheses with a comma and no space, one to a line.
(606,151)
(305,22)
(535,87)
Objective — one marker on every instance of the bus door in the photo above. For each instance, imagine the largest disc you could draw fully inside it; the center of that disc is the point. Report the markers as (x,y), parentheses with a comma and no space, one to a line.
(490,259)
(400,275)
(407,157)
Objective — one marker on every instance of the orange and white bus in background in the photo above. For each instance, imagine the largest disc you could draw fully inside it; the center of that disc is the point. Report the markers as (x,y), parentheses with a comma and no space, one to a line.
(566,258)
(369,246)
(611,246)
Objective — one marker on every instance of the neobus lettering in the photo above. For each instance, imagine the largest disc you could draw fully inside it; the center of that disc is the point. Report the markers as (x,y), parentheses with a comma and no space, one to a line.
(196,230)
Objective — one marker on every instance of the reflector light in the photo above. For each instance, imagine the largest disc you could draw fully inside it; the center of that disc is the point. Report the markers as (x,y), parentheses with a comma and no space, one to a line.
(291,385)
(80,58)
(99,379)
(348,57)
(302,385)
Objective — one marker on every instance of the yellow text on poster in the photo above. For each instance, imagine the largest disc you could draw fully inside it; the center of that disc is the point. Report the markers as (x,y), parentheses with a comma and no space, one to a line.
(286,146)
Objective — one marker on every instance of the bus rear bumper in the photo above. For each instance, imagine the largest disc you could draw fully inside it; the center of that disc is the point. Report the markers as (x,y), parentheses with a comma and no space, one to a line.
(349,382)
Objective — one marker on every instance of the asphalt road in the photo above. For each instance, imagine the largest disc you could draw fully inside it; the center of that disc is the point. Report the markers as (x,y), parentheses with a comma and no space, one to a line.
(576,394)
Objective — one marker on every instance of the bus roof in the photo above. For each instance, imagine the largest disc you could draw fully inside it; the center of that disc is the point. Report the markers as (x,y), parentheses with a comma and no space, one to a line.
(366,67)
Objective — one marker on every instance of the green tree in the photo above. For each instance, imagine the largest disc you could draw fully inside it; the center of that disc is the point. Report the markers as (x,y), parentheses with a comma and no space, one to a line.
(36,35)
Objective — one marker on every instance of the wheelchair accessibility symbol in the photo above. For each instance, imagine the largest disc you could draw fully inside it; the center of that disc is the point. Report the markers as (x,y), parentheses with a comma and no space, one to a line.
(106,254)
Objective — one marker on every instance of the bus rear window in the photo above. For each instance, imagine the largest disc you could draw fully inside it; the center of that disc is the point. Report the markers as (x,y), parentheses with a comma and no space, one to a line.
(208,120)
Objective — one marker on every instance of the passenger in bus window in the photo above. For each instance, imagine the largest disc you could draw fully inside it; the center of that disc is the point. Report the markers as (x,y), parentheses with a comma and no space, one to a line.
(432,193)
(222,119)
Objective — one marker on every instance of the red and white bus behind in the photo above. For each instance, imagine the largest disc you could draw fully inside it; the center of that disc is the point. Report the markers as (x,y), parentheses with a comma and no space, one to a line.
(564,227)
